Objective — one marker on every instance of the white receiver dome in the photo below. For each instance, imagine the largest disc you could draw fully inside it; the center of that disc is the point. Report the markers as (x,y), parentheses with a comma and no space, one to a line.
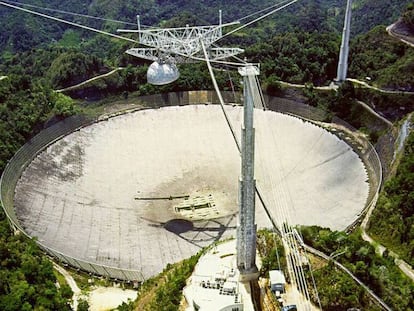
(162,73)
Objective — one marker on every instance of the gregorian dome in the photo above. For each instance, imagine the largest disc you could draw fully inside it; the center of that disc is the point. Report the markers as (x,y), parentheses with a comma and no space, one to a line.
(162,73)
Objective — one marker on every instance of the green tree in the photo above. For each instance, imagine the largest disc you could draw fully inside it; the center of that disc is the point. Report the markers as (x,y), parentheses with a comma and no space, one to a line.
(272,85)
(83,305)
(392,221)
(70,68)
(408,15)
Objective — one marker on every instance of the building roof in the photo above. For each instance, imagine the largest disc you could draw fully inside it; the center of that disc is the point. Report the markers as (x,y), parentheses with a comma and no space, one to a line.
(214,284)
(277,277)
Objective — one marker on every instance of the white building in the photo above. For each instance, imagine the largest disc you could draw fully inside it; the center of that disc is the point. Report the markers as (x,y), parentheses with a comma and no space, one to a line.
(277,281)
(214,284)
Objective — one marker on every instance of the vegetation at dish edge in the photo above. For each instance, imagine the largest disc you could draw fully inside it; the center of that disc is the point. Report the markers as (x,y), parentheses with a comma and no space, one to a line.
(337,290)
(27,280)
(305,15)
(25,106)
(392,221)
(164,291)
(408,16)
(301,45)
(387,62)
(380,274)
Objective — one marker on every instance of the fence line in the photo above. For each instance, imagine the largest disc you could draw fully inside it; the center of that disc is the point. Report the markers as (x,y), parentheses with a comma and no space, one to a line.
(38,143)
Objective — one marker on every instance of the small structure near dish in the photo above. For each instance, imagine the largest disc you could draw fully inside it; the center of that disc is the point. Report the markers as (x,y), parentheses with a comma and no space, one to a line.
(168,46)
(214,284)
(162,73)
(199,207)
(277,281)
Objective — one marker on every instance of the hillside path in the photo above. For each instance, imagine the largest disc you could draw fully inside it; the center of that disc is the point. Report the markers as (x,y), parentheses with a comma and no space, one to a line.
(405,39)
(90,80)
(72,284)
(377,299)
(380,249)
(404,267)
(368,86)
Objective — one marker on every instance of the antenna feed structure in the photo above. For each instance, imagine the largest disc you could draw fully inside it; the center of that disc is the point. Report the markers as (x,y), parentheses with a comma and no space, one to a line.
(167,47)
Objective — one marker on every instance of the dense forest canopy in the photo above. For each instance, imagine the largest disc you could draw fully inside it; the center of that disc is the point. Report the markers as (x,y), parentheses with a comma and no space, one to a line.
(310,29)
(393,219)
(379,273)
(408,16)
(383,59)
(299,45)
(27,281)
(22,31)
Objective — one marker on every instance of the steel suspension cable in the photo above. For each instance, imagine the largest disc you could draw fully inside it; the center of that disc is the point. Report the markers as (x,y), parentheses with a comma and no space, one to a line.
(68,13)
(296,271)
(263,10)
(213,79)
(259,18)
(66,22)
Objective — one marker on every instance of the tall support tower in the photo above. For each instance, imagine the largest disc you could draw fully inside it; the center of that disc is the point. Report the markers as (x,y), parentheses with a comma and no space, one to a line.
(343,55)
(246,228)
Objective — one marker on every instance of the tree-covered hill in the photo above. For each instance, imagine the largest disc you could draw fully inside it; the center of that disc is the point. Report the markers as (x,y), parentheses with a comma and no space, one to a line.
(298,57)
(370,13)
(27,281)
(386,60)
(408,16)
(298,45)
(22,31)
(338,292)
(392,221)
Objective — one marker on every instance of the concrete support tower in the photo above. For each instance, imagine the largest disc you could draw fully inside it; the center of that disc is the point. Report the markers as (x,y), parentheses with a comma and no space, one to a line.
(246,229)
(343,55)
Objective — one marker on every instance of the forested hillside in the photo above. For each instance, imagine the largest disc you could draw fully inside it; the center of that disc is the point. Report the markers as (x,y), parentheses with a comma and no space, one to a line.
(369,13)
(22,31)
(338,292)
(298,57)
(27,281)
(388,62)
(27,101)
(408,16)
(299,45)
(392,222)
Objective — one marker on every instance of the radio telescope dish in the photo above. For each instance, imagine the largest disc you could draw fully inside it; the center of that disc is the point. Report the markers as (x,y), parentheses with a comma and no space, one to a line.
(162,73)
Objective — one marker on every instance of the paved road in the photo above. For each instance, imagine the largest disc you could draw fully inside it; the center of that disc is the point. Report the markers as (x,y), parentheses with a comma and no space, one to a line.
(366,85)
(392,33)
(372,111)
(332,86)
(380,249)
(404,267)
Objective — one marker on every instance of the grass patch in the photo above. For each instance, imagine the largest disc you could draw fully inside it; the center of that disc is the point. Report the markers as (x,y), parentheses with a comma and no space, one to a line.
(59,277)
